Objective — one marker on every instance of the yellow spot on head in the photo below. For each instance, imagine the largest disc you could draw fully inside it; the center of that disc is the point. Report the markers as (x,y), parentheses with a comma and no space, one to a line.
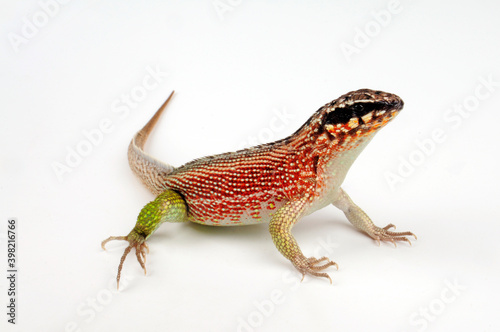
(330,128)
(367,117)
(353,123)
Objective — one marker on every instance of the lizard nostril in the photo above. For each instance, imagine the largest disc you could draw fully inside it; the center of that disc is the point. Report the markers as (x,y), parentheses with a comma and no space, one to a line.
(397,103)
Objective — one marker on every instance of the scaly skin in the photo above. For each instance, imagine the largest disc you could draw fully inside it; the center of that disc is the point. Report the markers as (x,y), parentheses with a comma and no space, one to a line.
(279,182)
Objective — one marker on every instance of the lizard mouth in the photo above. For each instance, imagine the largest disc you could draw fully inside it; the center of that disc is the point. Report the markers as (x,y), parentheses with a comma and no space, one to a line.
(377,116)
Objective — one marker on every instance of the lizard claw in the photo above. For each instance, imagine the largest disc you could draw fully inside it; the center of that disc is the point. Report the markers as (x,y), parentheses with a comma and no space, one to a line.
(384,234)
(135,241)
(388,227)
(312,265)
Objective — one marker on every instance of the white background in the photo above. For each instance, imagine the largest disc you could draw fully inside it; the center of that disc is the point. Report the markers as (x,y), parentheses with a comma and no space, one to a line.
(234,69)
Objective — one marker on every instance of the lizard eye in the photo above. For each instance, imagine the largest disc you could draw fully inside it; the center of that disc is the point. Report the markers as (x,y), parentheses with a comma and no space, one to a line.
(358,108)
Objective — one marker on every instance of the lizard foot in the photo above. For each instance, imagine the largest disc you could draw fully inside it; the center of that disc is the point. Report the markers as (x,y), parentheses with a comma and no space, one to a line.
(312,265)
(384,234)
(136,241)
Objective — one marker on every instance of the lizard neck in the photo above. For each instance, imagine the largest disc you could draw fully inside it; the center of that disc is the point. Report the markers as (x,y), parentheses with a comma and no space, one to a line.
(320,161)
(334,168)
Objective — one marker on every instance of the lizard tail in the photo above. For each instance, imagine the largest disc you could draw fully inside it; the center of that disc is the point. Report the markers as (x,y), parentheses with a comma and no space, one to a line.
(151,171)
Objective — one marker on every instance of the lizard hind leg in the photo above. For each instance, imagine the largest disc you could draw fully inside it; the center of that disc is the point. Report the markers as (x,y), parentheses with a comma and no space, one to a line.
(169,206)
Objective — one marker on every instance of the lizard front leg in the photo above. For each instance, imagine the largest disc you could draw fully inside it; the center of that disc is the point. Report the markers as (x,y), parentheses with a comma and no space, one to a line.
(169,206)
(280,228)
(361,221)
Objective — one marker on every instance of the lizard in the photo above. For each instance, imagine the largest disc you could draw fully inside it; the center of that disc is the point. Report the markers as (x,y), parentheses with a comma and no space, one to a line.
(279,182)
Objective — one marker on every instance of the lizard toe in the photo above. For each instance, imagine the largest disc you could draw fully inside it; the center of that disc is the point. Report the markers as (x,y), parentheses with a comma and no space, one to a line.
(384,234)
(137,242)
(312,266)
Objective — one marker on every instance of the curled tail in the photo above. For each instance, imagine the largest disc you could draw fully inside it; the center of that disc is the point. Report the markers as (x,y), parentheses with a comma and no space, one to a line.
(151,171)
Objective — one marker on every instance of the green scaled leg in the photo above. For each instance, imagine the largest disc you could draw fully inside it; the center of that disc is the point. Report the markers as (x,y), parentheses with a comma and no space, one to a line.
(169,206)
(280,228)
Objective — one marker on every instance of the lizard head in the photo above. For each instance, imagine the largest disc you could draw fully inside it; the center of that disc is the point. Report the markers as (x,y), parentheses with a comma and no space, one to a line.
(360,113)
(352,118)
(348,121)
